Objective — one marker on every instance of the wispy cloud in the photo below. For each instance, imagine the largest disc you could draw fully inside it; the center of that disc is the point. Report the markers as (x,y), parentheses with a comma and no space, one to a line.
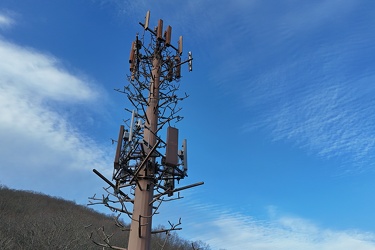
(283,233)
(318,96)
(228,229)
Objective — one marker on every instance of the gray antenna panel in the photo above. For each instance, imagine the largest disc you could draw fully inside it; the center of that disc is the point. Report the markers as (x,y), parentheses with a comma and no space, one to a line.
(119,146)
(184,159)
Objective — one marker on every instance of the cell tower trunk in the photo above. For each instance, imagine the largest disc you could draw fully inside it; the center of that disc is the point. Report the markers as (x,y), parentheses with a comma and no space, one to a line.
(141,225)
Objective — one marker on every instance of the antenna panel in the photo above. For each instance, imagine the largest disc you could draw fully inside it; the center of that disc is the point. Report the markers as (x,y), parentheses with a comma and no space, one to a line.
(168,35)
(159,33)
(131,126)
(180,45)
(184,152)
(131,57)
(171,155)
(147,20)
(119,146)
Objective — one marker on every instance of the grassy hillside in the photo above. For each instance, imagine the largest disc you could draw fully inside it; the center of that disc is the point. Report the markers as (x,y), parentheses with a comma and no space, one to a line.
(31,220)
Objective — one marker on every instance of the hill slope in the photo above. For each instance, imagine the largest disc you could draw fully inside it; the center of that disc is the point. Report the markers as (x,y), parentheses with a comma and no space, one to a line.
(36,221)
(31,220)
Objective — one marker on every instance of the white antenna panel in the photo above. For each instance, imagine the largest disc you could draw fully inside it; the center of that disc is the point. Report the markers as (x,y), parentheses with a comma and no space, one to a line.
(147,20)
(132,125)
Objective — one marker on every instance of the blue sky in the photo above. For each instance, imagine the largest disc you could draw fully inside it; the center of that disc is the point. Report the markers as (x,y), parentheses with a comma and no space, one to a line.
(280,119)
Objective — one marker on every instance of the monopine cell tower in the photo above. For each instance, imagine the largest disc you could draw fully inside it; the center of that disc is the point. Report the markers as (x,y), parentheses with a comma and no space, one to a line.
(148,168)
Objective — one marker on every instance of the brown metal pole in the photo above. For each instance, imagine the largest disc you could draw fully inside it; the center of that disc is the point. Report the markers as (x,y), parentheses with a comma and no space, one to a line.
(141,225)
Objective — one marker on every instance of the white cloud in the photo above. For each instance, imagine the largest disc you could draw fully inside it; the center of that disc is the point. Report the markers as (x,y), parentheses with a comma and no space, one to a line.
(40,75)
(33,129)
(5,20)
